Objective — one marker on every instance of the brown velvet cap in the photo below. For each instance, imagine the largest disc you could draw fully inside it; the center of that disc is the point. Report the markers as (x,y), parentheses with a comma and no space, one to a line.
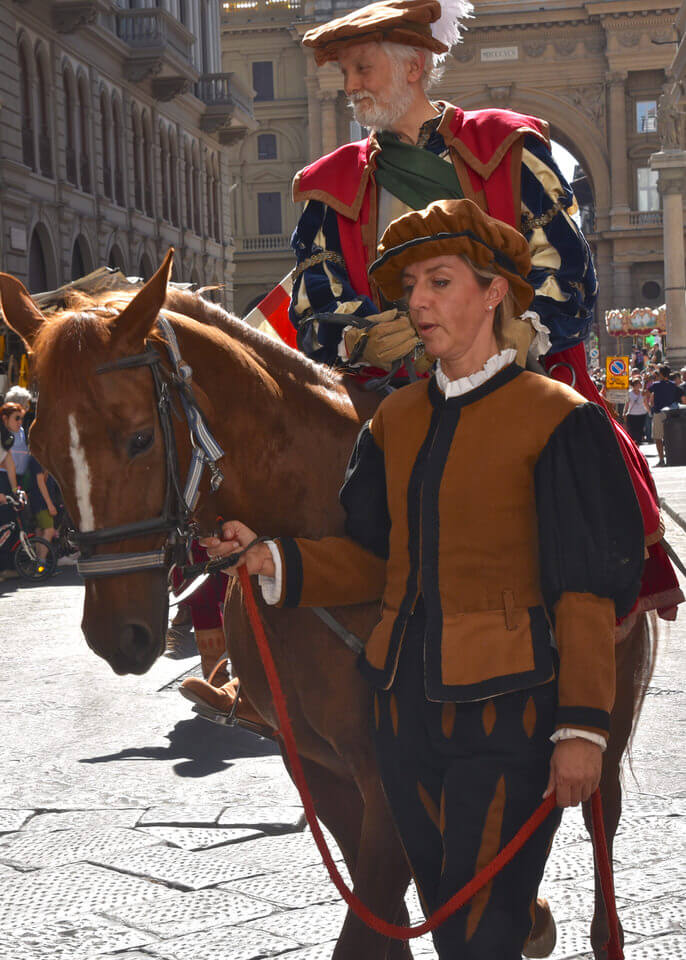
(454,228)
(393,21)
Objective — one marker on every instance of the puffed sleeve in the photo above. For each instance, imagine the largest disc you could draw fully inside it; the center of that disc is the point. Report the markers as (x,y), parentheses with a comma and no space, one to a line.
(321,284)
(591,544)
(336,571)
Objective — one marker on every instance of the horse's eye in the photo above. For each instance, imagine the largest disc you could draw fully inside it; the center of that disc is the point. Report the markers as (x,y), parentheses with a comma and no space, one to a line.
(140,441)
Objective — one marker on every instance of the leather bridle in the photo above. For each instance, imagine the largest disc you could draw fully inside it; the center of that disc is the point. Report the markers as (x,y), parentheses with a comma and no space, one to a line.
(176,518)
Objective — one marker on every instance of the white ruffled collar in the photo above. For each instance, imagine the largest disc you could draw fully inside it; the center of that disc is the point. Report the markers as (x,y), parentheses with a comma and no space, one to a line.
(455,388)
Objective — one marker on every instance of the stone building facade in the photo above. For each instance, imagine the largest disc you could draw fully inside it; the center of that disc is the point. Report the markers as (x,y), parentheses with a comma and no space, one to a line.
(594,70)
(113,123)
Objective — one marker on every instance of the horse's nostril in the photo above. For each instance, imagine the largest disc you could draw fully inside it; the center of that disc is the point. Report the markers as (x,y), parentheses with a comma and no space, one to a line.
(136,641)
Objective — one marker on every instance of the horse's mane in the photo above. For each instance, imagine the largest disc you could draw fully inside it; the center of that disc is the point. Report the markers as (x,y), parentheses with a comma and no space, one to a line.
(77,337)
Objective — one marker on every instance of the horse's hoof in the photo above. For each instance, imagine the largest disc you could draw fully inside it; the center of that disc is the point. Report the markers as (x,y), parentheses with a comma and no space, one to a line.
(543,936)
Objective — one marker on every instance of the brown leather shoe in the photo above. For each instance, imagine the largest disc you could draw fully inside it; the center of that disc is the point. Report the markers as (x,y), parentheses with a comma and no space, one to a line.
(543,936)
(219,693)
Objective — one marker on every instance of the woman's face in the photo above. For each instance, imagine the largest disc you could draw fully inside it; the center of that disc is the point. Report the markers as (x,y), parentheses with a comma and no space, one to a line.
(13,421)
(449,306)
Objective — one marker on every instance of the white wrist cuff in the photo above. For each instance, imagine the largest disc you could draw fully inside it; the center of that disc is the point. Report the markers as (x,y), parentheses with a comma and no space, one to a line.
(271,586)
(569,733)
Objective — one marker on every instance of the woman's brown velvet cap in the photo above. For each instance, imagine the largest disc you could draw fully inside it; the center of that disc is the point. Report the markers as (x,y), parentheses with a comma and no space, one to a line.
(392,21)
(453,228)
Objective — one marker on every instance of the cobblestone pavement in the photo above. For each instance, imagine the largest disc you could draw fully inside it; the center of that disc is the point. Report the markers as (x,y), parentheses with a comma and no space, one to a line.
(130,829)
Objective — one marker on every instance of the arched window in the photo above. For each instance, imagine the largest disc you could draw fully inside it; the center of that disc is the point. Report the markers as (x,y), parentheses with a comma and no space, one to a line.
(164,165)
(80,259)
(106,145)
(116,261)
(147,182)
(84,138)
(174,178)
(42,264)
(137,175)
(189,186)
(146,269)
(70,139)
(117,145)
(44,142)
(27,144)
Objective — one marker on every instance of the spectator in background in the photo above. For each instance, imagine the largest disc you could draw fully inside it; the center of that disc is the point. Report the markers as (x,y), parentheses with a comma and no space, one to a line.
(20,450)
(635,412)
(10,415)
(44,498)
(637,360)
(677,379)
(664,395)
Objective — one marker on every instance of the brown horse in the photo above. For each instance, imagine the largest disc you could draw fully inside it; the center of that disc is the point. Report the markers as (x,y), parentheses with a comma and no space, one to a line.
(287,427)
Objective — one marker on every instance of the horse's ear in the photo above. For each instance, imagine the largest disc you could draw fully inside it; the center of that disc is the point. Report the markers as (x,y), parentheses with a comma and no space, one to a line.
(21,313)
(135,322)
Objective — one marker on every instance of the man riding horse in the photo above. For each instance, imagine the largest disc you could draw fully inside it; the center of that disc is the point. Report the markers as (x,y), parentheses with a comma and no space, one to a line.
(420,151)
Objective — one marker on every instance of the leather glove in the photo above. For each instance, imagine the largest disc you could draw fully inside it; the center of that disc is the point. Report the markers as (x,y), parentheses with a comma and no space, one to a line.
(390,337)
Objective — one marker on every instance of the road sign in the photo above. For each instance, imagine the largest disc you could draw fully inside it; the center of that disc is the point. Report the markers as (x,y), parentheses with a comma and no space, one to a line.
(617,373)
(595,353)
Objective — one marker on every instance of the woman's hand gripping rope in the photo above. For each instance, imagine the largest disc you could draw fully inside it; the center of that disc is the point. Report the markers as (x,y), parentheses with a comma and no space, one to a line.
(235,536)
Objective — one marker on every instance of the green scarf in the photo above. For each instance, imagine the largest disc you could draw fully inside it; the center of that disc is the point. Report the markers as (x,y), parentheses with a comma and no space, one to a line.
(414,175)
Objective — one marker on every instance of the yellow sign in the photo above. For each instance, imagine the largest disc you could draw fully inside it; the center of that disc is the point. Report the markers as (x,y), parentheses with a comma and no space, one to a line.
(617,373)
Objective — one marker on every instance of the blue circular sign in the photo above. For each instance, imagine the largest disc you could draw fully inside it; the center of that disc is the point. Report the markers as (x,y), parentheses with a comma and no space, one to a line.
(618,368)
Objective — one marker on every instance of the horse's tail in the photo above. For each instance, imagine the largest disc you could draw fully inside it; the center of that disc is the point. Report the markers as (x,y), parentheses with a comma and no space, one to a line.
(647,635)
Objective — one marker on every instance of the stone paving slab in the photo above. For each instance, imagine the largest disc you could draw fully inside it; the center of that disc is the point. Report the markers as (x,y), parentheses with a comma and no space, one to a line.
(82,820)
(181,815)
(670,947)
(291,852)
(662,879)
(179,868)
(11,820)
(183,913)
(199,838)
(322,951)
(35,850)
(68,892)
(289,891)
(269,819)
(72,940)
(654,917)
(226,943)
(650,842)
(308,926)
(574,938)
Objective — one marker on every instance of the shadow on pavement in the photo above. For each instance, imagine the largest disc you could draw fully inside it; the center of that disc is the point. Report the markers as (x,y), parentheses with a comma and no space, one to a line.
(204,748)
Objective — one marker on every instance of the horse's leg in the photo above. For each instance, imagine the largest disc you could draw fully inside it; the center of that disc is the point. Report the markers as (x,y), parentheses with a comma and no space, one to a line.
(630,656)
(380,880)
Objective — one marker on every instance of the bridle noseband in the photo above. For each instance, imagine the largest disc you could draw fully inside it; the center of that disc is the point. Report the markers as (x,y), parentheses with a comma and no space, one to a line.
(176,519)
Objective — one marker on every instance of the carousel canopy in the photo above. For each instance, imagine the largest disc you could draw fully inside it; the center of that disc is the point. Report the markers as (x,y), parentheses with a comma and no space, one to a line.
(638,322)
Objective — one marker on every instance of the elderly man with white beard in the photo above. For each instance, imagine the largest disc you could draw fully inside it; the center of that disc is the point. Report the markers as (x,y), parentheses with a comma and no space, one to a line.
(418,151)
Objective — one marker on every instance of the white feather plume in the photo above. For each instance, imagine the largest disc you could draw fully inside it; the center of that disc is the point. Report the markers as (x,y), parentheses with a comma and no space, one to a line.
(448,28)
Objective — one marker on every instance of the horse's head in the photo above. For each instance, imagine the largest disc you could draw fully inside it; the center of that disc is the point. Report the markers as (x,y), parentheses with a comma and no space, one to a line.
(99,435)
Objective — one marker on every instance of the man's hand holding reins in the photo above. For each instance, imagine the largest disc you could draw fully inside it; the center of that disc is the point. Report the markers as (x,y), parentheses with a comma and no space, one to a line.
(236,536)
(389,337)
(575,769)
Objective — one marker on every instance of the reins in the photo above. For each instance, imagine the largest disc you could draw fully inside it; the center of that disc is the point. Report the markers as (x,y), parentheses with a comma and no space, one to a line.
(479,881)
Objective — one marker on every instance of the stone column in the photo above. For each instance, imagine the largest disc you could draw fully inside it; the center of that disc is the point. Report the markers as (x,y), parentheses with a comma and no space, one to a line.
(671,165)
(328,111)
(619,212)
(314,115)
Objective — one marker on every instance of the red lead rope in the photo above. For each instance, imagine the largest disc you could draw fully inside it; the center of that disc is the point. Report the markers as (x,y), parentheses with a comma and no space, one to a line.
(459,899)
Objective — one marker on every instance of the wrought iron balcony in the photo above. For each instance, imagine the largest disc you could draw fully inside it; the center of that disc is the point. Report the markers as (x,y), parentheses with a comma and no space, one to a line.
(160,50)
(228,106)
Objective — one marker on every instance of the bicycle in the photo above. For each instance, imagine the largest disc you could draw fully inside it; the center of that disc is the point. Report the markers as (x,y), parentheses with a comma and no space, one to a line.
(28,562)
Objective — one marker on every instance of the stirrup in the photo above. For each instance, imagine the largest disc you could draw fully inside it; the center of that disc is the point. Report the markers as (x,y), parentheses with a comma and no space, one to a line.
(231,719)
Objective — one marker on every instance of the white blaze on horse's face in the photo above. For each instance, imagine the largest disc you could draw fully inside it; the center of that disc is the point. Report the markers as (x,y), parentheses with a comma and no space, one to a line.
(82,478)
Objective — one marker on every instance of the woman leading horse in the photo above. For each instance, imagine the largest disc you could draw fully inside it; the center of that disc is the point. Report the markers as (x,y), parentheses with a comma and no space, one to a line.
(490,511)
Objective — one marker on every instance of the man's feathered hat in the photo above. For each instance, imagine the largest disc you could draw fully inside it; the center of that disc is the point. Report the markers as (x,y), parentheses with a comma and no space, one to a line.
(428,24)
